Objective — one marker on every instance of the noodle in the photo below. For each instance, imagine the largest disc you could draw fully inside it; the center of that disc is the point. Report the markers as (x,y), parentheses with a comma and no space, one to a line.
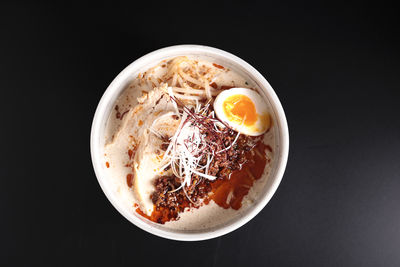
(188,90)
(188,79)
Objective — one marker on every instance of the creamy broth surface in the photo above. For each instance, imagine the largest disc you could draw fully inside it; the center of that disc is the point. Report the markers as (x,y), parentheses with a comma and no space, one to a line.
(118,142)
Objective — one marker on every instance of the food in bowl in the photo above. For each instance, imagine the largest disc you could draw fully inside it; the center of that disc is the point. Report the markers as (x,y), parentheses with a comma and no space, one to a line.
(192,140)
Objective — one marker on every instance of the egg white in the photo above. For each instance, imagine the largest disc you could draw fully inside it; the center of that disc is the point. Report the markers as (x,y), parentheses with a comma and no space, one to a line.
(260,125)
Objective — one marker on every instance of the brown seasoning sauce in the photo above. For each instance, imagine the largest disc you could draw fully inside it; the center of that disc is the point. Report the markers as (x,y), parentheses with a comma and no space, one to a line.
(226,193)
(229,193)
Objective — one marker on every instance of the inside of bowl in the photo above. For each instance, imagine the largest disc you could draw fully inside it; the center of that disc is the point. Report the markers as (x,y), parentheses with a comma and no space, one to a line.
(122,196)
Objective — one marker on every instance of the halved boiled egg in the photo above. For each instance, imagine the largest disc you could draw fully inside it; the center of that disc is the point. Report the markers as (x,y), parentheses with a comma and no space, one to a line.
(244,110)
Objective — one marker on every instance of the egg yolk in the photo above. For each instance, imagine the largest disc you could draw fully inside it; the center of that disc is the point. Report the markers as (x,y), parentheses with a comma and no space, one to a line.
(240,109)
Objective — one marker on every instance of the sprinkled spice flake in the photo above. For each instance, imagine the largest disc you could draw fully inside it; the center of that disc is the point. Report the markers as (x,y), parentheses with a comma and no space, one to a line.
(214,85)
(129,180)
(218,66)
(118,114)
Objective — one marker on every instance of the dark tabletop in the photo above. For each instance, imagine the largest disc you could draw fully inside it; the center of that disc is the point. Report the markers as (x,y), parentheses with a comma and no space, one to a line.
(334,67)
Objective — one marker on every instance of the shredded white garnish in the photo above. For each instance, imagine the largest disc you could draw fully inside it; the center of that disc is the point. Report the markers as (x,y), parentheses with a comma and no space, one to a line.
(185,151)
(188,152)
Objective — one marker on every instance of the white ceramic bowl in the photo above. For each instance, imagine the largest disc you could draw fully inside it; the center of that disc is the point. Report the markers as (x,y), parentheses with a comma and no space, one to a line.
(119,84)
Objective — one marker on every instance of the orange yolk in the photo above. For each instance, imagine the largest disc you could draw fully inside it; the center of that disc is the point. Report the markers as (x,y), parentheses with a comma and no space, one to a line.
(240,109)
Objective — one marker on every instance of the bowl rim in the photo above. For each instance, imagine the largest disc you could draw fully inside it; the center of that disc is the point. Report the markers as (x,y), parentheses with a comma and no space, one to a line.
(99,118)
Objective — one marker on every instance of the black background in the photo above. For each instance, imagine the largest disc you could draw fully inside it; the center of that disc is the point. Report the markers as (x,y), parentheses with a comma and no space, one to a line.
(335,68)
